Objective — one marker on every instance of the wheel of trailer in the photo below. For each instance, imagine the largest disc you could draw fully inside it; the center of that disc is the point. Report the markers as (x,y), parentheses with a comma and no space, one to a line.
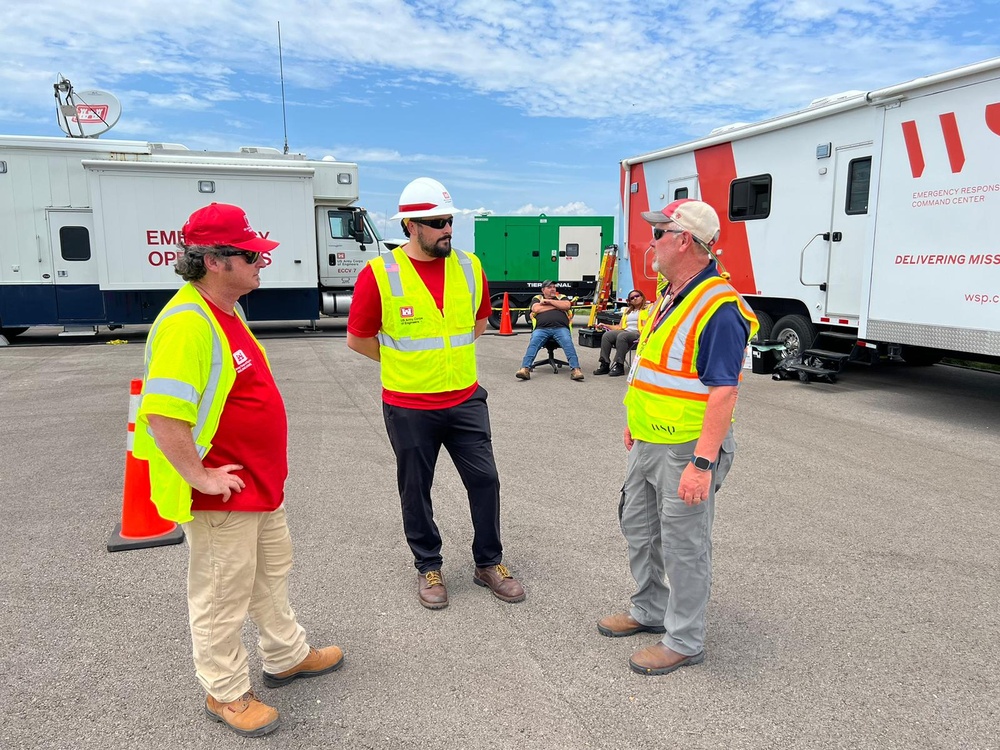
(766,326)
(919,356)
(796,332)
(496,303)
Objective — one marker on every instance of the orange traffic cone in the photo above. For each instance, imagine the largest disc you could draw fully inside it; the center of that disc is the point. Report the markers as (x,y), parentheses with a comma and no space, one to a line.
(141,525)
(506,329)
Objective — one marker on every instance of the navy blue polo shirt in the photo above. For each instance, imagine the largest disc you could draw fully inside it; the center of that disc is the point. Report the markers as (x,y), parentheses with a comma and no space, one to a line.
(723,343)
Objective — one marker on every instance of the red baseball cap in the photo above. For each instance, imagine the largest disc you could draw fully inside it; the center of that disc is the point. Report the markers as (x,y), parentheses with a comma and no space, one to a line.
(224,224)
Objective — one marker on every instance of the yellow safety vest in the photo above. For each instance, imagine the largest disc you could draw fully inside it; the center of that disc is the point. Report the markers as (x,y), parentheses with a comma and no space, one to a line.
(189,374)
(643,318)
(665,400)
(423,350)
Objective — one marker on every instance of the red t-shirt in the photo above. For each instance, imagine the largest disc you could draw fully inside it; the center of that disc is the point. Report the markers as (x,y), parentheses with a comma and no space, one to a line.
(253,429)
(365,321)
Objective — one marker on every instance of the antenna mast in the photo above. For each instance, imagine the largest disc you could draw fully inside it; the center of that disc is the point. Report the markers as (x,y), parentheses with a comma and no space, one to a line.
(281,73)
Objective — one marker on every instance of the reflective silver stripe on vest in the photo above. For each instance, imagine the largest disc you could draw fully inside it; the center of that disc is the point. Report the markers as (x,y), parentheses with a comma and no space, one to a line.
(676,354)
(173,388)
(410,345)
(392,270)
(466,263)
(214,373)
(462,339)
(673,382)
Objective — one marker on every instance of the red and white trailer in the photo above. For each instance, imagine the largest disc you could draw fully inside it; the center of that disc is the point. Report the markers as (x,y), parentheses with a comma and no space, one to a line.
(868,217)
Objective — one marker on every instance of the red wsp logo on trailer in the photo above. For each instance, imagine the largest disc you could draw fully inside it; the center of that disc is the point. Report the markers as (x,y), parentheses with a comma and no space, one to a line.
(952,139)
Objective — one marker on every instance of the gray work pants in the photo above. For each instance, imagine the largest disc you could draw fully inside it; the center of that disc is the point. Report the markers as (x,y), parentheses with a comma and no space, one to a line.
(670,540)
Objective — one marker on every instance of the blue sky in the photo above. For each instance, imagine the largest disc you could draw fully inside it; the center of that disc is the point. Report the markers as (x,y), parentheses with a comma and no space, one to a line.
(517,107)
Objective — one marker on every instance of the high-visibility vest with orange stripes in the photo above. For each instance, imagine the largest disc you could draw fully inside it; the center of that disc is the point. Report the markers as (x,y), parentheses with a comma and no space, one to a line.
(421,348)
(665,400)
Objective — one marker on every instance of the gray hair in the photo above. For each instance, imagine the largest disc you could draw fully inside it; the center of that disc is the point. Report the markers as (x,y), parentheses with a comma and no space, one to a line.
(190,264)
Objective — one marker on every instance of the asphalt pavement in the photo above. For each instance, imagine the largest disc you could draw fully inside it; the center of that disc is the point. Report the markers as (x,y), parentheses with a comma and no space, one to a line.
(855,601)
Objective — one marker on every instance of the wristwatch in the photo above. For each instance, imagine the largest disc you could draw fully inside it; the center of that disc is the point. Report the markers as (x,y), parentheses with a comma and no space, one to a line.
(701,463)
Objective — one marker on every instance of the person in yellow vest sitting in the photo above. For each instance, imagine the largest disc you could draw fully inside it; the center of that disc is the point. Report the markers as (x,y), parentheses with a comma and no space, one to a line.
(551,315)
(213,428)
(680,402)
(418,311)
(622,336)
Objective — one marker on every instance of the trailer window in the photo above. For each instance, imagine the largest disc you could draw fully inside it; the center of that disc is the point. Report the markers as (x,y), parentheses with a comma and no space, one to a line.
(572,250)
(859,178)
(342,226)
(680,193)
(750,198)
(74,243)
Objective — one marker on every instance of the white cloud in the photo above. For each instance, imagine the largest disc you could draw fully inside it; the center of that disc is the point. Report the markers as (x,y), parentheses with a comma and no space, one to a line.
(574,208)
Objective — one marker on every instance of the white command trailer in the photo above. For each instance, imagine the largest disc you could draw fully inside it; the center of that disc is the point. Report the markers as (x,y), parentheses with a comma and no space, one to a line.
(88,229)
(872,218)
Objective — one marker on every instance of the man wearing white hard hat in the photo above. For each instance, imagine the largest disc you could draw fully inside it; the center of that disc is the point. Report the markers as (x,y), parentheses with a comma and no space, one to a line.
(680,402)
(418,312)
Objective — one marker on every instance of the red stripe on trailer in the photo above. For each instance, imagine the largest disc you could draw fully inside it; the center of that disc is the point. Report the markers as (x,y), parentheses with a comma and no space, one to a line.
(952,141)
(639,232)
(993,117)
(716,167)
(913,151)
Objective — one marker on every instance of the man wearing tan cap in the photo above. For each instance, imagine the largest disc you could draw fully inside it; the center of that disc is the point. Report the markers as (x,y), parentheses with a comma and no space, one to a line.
(680,401)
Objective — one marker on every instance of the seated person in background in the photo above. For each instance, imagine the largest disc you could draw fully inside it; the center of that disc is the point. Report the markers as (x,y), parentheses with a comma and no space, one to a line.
(551,314)
(622,336)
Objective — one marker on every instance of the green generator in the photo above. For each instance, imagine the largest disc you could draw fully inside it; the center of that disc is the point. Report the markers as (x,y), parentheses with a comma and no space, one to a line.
(519,252)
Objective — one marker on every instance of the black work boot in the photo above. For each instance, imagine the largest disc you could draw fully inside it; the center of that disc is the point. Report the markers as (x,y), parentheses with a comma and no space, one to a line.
(602,368)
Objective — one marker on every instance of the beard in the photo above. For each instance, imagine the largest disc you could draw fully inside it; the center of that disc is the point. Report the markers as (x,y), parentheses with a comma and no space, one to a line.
(655,265)
(439,249)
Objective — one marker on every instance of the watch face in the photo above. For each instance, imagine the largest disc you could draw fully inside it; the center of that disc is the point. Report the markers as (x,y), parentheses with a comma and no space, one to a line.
(702,463)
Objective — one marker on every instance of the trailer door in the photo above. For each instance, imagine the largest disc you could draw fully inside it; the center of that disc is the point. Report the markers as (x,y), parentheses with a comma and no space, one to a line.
(579,252)
(523,258)
(78,293)
(848,228)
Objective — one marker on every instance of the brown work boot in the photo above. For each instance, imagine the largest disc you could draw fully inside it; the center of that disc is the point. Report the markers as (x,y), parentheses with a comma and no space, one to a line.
(499,580)
(660,659)
(622,624)
(577,374)
(431,589)
(523,374)
(318,661)
(247,715)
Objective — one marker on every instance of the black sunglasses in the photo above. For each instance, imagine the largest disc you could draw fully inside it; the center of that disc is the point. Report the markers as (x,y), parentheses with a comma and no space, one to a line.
(249,256)
(658,233)
(635,296)
(435,223)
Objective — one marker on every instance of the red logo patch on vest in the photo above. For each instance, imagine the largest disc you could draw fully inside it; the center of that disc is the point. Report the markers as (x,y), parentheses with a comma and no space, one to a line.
(406,312)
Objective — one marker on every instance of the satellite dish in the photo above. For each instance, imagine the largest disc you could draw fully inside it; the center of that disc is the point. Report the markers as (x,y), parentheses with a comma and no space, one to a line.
(85,114)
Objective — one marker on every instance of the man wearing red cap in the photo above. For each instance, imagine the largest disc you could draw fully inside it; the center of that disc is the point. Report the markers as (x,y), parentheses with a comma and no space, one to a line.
(680,401)
(212,425)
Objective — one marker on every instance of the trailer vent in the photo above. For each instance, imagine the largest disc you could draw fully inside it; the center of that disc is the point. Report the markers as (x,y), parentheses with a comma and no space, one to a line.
(727,128)
(168,147)
(258,150)
(842,96)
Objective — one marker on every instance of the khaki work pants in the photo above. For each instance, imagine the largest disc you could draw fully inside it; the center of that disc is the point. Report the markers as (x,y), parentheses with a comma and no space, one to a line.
(239,565)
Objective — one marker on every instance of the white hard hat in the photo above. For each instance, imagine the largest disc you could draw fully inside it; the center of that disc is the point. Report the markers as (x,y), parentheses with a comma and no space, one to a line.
(422,198)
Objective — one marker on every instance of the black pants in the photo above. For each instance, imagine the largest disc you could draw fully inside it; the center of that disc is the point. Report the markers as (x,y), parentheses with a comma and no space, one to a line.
(416,436)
